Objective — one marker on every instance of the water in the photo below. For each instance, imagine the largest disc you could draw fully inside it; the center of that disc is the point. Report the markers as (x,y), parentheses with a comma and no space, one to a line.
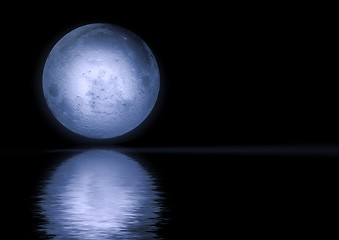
(169,193)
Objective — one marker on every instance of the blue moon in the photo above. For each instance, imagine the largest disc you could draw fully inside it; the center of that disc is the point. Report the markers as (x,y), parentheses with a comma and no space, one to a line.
(101,81)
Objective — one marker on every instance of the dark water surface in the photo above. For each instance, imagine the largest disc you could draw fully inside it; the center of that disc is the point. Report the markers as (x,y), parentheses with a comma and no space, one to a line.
(169,193)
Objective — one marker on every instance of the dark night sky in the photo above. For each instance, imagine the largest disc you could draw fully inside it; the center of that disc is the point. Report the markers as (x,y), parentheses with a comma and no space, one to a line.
(230,74)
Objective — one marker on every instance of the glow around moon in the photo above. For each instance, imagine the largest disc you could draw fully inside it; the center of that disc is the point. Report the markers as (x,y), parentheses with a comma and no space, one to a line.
(101,81)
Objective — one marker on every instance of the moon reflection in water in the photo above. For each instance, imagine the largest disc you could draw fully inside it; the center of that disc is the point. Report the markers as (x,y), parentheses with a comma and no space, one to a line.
(99,194)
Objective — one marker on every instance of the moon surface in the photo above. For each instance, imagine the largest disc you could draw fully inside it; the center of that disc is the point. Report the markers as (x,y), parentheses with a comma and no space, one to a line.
(101,81)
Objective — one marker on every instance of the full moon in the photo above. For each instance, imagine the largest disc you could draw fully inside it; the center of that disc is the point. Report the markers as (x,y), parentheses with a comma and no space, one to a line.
(101,81)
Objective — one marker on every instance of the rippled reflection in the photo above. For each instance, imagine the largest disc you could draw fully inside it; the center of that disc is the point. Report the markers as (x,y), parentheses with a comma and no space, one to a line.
(99,194)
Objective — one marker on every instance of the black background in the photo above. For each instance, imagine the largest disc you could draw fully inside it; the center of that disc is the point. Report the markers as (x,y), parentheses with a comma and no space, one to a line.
(244,74)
